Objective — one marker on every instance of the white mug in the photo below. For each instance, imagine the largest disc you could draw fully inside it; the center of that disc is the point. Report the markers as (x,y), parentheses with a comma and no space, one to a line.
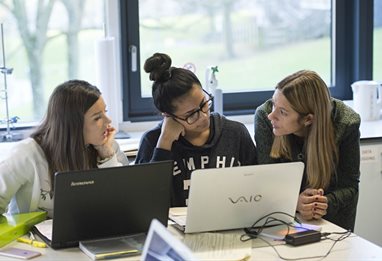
(367,97)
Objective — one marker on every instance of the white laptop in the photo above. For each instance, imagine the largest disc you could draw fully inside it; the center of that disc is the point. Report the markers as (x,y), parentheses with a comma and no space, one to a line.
(232,198)
(160,245)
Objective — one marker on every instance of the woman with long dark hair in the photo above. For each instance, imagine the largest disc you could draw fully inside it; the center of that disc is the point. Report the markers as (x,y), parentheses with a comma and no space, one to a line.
(75,134)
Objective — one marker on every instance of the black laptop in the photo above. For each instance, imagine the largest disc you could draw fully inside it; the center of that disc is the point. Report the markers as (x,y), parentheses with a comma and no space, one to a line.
(109,202)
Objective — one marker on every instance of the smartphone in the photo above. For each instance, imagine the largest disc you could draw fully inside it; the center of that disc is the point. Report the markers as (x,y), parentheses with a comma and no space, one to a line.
(19,253)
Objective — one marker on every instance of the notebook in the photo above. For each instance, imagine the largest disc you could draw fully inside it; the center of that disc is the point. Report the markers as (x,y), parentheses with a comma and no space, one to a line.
(160,245)
(114,247)
(232,198)
(16,225)
(109,202)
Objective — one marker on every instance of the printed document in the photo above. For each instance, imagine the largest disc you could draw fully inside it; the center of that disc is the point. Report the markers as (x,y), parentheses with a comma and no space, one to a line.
(219,246)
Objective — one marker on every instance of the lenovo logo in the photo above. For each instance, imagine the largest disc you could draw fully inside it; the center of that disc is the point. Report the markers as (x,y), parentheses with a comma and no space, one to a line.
(244,199)
(82,183)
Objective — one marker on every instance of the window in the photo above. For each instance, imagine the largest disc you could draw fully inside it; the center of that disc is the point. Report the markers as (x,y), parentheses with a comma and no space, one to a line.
(46,43)
(254,44)
(377,41)
(338,45)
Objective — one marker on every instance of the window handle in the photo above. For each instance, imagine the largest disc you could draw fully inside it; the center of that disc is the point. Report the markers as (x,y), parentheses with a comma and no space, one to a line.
(133,53)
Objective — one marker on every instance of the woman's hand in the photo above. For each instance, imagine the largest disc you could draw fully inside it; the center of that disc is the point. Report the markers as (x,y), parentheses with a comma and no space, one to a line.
(106,149)
(321,205)
(312,204)
(170,132)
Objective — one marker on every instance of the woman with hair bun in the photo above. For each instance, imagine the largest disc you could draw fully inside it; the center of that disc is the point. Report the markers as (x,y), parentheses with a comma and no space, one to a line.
(190,135)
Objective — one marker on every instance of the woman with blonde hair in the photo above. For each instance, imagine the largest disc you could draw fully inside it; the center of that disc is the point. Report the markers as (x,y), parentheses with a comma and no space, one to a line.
(302,122)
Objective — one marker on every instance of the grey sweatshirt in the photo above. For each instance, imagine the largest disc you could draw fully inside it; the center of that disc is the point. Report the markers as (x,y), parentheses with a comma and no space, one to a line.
(229,145)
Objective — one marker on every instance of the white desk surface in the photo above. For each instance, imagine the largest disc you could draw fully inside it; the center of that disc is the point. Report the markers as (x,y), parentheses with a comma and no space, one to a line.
(352,248)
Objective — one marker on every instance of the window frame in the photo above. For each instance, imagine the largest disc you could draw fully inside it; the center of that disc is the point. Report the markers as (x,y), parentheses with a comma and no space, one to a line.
(352,47)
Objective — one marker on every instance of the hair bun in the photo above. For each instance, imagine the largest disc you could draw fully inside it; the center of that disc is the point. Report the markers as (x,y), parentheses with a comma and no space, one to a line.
(158,66)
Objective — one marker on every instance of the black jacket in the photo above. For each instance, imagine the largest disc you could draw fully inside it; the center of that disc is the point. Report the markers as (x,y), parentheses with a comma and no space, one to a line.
(342,193)
(229,145)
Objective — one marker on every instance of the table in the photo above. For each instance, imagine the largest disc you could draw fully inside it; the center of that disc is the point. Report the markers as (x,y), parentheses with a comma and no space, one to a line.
(352,248)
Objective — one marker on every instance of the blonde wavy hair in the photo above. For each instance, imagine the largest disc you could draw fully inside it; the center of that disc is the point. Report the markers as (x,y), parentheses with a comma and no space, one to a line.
(307,94)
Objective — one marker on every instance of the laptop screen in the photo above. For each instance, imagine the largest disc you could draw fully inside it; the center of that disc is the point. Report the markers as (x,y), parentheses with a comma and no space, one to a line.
(160,245)
(109,202)
(236,197)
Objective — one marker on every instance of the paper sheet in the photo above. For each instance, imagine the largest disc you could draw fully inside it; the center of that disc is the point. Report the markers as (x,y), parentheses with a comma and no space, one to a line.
(219,246)
(178,216)
(46,228)
(181,211)
(128,145)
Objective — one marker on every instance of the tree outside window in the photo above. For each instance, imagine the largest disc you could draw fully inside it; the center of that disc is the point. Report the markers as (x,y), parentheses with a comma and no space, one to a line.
(47,42)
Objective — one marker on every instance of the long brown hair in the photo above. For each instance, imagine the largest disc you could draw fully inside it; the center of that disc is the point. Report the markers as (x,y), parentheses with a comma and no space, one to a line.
(61,134)
(307,94)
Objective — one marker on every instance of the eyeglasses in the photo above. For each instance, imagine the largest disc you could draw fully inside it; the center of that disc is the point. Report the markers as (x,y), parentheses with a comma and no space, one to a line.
(195,115)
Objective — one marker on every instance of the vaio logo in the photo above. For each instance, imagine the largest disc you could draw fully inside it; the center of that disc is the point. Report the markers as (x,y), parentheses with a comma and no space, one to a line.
(244,199)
